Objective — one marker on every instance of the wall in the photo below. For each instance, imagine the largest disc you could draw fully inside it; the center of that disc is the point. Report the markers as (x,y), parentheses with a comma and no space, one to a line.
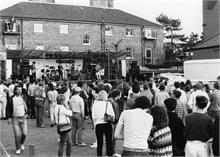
(211,18)
(206,54)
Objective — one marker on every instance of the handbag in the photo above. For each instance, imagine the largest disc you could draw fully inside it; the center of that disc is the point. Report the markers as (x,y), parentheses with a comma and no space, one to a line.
(108,118)
(63,128)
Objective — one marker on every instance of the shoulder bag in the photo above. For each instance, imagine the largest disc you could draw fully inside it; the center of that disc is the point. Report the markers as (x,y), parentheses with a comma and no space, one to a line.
(108,118)
(63,128)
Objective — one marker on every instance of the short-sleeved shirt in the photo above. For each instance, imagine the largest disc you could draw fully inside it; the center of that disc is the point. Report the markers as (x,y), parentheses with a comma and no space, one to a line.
(137,126)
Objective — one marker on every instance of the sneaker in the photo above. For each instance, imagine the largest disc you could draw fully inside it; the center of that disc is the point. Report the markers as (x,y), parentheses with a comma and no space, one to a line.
(18,151)
(42,126)
(116,155)
(22,147)
(51,125)
(82,144)
(94,145)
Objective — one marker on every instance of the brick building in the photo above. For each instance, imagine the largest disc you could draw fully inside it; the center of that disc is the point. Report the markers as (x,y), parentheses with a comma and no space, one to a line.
(209,47)
(48,33)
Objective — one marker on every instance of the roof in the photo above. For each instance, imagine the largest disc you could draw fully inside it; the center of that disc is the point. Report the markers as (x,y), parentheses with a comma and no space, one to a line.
(211,42)
(73,13)
(39,54)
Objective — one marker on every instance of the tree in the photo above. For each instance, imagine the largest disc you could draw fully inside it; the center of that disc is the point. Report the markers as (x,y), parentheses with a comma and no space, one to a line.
(179,45)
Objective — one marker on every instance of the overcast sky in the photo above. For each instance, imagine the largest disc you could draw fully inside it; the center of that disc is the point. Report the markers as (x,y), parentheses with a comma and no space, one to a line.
(188,11)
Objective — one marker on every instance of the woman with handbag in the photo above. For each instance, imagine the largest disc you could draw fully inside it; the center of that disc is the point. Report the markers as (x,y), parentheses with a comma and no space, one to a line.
(63,125)
(103,114)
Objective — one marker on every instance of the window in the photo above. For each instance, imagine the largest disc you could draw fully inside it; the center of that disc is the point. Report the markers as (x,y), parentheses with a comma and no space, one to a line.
(150,33)
(108,31)
(64,29)
(64,48)
(86,40)
(38,28)
(39,47)
(11,47)
(131,52)
(148,56)
(129,32)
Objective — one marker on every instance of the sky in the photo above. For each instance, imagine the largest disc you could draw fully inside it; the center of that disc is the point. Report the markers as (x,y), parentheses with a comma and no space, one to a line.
(188,11)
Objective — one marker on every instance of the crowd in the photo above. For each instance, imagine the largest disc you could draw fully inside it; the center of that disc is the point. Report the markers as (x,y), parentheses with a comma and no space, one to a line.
(151,118)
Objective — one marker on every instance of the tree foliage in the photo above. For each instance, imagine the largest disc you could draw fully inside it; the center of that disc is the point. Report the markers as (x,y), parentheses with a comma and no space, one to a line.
(178,45)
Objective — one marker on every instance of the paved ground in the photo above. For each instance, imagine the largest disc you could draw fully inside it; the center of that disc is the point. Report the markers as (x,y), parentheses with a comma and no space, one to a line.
(45,140)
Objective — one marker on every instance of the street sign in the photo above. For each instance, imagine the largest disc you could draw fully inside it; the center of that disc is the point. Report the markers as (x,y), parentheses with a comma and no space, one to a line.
(3,56)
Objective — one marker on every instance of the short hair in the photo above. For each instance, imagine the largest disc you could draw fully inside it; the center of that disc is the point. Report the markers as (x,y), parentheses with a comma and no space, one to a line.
(217,85)
(115,93)
(146,86)
(177,94)
(162,87)
(150,85)
(60,99)
(218,78)
(102,95)
(170,103)
(198,86)
(176,84)
(107,87)
(136,87)
(160,116)
(16,87)
(80,84)
(201,101)
(142,102)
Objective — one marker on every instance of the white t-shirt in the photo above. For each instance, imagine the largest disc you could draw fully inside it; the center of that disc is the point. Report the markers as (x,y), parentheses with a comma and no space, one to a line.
(137,126)
(63,116)
(98,111)
(192,99)
(18,106)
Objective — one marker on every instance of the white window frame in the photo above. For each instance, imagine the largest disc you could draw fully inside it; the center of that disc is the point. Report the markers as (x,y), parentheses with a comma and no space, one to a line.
(131,55)
(38,28)
(86,39)
(39,47)
(64,48)
(129,32)
(108,31)
(151,55)
(11,46)
(64,29)
(150,33)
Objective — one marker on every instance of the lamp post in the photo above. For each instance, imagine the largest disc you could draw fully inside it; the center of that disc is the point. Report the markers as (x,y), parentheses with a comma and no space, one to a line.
(108,66)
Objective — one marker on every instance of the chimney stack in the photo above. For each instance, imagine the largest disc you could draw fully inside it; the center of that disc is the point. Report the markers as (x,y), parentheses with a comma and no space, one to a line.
(102,3)
(42,1)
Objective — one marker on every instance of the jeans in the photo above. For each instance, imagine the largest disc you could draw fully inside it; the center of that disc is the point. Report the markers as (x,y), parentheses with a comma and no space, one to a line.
(39,115)
(3,103)
(100,130)
(52,114)
(32,107)
(77,128)
(20,130)
(196,149)
(133,153)
(64,138)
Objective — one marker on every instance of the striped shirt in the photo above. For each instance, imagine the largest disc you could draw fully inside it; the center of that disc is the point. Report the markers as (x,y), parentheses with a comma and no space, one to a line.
(160,142)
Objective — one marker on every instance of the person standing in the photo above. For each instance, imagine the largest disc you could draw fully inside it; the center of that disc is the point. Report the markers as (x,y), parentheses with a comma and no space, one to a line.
(134,128)
(77,107)
(31,90)
(17,113)
(40,96)
(3,100)
(52,98)
(160,139)
(198,130)
(198,92)
(214,107)
(216,130)
(33,70)
(176,126)
(62,115)
(100,107)
(161,96)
